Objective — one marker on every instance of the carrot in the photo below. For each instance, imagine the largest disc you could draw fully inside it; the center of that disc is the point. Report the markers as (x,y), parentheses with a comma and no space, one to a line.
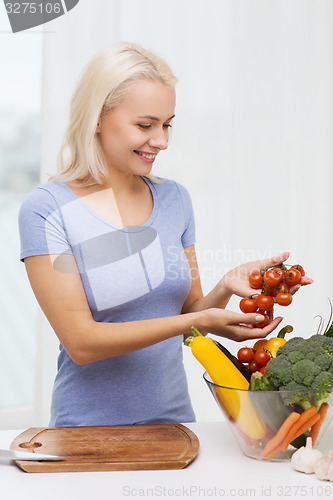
(298,430)
(281,433)
(302,423)
(316,427)
(274,452)
(305,420)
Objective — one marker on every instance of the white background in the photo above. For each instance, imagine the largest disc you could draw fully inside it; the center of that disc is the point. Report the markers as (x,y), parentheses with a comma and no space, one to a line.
(252,138)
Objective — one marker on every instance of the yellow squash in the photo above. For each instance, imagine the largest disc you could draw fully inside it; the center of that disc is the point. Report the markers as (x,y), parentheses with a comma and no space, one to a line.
(223,372)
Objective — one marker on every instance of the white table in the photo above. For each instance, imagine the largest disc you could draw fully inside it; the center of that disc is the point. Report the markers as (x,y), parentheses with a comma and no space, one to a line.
(219,471)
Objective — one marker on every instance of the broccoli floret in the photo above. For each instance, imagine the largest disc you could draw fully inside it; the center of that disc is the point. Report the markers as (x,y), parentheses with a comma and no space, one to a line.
(311,355)
(316,340)
(291,343)
(293,392)
(304,366)
(328,345)
(322,387)
(294,386)
(295,356)
(325,344)
(304,372)
(323,361)
(279,371)
(259,382)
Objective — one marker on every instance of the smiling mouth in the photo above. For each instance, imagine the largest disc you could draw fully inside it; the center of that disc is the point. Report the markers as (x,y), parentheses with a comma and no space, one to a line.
(146,156)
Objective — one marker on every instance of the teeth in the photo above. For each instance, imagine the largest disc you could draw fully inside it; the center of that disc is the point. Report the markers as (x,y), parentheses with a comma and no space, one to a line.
(148,156)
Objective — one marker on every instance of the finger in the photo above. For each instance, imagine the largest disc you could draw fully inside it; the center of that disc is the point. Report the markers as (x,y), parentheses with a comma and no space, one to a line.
(304,281)
(247,291)
(247,319)
(248,332)
(269,328)
(270,315)
(293,289)
(276,260)
(257,332)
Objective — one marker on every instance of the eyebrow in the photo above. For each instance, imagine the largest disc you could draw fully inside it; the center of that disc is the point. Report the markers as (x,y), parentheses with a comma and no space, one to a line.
(149,117)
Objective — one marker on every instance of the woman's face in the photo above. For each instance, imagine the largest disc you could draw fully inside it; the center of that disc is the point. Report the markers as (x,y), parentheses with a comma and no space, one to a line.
(135,131)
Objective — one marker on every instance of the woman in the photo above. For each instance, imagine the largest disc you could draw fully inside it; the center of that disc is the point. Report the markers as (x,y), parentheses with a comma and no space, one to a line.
(109,251)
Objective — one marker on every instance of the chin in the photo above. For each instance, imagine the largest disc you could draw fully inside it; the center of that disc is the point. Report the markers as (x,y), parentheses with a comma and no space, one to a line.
(143,171)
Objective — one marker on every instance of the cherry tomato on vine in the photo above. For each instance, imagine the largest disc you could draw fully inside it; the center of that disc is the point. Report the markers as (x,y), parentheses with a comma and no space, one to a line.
(292,276)
(279,271)
(263,323)
(268,290)
(245,355)
(272,278)
(254,367)
(248,305)
(263,370)
(300,269)
(281,287)
(284,299)
(255,280)
(265,302)
(261,358)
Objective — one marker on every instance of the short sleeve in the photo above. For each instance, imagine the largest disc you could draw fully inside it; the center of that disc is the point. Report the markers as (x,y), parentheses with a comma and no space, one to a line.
(188,236)
(41,226)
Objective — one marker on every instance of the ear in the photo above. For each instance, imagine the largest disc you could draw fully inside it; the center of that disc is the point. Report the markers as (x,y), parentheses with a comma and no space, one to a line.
(98,126)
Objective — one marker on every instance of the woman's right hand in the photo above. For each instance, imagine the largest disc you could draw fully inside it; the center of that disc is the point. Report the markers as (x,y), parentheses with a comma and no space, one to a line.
(235,326)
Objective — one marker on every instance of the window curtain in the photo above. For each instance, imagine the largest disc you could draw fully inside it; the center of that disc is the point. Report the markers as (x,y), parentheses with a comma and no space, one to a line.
(252,138)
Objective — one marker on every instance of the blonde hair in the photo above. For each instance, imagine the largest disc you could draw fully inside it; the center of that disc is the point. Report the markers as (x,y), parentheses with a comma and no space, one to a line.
(102,86)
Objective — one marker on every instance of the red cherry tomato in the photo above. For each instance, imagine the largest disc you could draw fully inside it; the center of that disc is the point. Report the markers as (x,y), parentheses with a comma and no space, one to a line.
(261,358)
(263,370)
(300,269)
(255,280)
(265,302)
(254,367)
(292,276)
(268,290)
(272,277)
(283,299)
(281,287)
(245,355)
(248,305)
(279,271)
(262,324)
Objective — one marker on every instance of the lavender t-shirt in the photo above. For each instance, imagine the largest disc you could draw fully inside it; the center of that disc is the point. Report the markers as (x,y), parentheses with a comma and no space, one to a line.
(128,274)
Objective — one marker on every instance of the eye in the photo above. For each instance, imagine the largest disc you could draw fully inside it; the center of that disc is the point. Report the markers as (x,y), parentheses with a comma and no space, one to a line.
(144,127)
(167,125)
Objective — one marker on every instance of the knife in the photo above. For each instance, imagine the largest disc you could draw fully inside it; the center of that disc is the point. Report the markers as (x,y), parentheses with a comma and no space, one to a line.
(8,455)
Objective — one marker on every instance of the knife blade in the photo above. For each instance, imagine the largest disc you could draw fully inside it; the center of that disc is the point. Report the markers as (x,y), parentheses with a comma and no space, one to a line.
(25,455)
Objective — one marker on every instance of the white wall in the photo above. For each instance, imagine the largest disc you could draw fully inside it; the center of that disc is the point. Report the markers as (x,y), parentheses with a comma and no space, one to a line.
(252,136)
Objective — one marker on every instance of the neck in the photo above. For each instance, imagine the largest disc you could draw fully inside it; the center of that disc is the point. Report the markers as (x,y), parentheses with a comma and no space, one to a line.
(122,183)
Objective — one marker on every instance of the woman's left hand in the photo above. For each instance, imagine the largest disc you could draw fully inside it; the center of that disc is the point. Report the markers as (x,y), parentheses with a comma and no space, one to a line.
(236,281)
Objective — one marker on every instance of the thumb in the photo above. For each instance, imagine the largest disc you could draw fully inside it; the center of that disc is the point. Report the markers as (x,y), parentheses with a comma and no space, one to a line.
(276,260)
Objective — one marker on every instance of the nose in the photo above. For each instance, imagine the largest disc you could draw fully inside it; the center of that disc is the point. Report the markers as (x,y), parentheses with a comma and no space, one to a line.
(160,138)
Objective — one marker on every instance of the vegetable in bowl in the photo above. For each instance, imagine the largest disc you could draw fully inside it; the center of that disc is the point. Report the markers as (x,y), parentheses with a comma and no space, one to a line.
(302,374)
(304,366)
(279,409)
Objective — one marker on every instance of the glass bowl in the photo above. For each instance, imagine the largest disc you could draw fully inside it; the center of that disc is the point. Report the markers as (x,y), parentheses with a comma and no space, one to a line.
(255,417)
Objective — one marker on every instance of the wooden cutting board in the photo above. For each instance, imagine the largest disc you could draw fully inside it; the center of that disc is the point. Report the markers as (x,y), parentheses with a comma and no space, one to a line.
(109,448)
